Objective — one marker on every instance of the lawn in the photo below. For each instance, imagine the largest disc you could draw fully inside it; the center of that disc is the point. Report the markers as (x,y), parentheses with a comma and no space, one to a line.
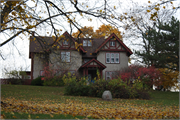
(49,102)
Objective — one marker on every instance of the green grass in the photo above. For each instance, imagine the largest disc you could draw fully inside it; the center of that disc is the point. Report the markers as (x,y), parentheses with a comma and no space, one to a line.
(55,94)
(42,94)
(16,115)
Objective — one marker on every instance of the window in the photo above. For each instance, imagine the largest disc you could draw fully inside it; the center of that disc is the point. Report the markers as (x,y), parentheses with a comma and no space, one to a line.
(65,42)
(117,58)
(65,56)
(107,57)
(84,42)
(87,42)
(112,43)
(42,73)
(110,74)
(112,57)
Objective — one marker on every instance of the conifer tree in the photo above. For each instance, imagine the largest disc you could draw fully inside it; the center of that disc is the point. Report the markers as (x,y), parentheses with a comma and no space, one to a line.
(161,45)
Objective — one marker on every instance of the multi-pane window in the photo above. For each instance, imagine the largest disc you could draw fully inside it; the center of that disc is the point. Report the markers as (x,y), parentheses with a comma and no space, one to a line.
(112,43)
(65,42)
(87,43)
(109,75)
(65,56)
(84,42)
(112,57)
(107,57)
(117,58)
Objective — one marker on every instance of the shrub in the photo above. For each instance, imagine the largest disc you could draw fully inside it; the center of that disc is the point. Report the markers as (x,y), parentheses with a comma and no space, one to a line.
(15,81)
(76,88)
(37,81)
(96,89)
(55,81)
(148,76)
(118,88)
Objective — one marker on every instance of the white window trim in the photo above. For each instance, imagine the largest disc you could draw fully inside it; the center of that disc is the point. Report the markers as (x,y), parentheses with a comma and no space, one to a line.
(108,57)
(89,43)
(84,42)
(65,42)
(65,58)
(116,55)
(109,75)
(112,43)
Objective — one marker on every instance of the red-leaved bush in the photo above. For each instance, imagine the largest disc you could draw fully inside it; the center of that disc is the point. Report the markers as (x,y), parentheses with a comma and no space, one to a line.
(148,75)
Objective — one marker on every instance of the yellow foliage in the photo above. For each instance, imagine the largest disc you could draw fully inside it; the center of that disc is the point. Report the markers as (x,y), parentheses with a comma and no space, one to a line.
(169,77)
(156,8)
(96,110)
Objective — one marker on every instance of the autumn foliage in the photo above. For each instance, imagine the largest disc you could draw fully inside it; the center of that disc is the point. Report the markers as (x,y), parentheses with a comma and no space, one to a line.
(97,110)
(169,78)
(102,31)
(148,76)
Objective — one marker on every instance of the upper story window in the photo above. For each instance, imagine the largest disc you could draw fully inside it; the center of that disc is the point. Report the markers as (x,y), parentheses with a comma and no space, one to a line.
(112,57)
(112,43)
(87,43)
(65,56)
(65,43)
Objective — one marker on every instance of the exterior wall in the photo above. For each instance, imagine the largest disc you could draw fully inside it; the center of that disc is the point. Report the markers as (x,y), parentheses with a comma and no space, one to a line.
(74,64)
(113,66)
(38,65)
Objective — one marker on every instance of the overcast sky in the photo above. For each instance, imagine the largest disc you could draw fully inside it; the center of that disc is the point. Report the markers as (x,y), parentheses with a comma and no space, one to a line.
(16,52)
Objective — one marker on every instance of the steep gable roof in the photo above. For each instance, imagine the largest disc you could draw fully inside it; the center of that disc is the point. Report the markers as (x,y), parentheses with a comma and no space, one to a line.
(120,41)
(37,43)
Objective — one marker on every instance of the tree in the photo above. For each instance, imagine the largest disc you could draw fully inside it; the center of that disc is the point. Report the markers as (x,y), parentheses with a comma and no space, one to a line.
(87,32)
(161,49)
(102,31)
(161,46)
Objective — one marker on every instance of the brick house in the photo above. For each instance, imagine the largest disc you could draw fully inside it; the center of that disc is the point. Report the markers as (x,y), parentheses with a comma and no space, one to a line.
(107,55)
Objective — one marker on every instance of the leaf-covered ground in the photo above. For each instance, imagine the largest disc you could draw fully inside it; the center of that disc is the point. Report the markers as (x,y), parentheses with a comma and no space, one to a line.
(93,109)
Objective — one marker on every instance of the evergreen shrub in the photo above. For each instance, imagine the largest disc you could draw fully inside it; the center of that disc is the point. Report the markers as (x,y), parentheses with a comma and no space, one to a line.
(37,81)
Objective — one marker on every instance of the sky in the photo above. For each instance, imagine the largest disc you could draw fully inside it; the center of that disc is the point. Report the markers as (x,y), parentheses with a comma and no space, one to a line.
(16,52)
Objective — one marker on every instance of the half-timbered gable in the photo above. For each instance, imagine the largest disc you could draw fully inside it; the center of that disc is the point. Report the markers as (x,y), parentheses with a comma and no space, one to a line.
(113,43)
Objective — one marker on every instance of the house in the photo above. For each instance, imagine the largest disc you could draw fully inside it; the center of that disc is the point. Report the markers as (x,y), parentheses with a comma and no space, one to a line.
(107,55)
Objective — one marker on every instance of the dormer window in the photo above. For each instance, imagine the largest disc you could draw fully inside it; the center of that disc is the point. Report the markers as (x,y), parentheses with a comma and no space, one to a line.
(87,43)
(84,42)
